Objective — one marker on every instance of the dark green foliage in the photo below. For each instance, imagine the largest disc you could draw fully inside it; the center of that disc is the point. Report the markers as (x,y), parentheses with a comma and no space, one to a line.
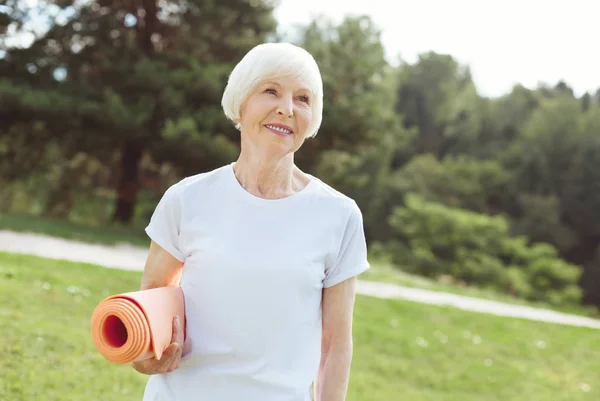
(478,249)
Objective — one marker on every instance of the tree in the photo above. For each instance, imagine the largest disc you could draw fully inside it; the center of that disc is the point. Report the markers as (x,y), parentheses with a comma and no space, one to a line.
(115,74)
(437,95)
(503,121)
(360,133)
(457,181)
(352,86)
(580,205)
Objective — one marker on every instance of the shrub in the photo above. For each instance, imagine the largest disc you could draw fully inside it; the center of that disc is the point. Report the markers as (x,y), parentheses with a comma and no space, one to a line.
(434,239)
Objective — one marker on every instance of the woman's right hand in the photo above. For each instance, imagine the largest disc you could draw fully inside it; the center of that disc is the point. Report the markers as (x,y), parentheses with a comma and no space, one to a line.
(170,358)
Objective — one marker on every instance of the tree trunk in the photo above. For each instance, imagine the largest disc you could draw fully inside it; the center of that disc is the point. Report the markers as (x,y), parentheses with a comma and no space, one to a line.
(584,254)
(585,250)
(590,283)
(129,181)
(128,185)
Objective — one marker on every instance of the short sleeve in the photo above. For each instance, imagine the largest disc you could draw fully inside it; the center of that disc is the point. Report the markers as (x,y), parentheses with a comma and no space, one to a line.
(351,259)
(164,226)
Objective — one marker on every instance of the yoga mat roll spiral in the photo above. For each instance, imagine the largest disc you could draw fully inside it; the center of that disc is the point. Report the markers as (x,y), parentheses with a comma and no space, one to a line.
(138,325)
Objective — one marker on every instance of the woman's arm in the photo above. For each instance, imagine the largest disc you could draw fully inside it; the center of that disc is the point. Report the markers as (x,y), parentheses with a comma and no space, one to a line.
(336,344)
(162,269)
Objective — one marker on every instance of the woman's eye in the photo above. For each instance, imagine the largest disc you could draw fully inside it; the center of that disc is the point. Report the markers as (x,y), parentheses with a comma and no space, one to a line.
(304,99)
(271,91)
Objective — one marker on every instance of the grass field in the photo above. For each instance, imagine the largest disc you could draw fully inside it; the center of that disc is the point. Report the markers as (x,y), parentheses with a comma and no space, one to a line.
(403,350)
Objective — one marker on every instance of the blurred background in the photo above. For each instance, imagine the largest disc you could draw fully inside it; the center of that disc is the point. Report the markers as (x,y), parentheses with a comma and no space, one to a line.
(468,133)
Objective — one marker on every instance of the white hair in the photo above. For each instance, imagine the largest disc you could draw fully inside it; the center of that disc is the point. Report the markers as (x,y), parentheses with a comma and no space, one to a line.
(268,61)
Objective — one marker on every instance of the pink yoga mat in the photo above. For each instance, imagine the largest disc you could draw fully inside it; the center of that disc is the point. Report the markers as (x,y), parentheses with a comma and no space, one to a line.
(135,326)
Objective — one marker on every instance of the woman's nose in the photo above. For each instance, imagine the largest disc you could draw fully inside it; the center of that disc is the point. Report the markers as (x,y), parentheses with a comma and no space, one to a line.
(285,107)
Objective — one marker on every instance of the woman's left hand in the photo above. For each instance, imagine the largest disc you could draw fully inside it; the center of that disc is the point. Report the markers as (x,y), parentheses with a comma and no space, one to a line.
(171,357)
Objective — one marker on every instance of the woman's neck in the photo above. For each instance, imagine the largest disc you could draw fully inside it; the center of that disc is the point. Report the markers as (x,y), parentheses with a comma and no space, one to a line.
(269,178)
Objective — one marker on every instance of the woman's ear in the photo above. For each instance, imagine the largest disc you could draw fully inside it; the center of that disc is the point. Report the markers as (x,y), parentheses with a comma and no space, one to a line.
(238,123)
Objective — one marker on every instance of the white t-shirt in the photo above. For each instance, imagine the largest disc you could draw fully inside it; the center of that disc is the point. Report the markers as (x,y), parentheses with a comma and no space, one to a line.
(253,277)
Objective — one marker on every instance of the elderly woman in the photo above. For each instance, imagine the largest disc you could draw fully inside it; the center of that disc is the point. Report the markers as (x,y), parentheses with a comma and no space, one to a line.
(266,254)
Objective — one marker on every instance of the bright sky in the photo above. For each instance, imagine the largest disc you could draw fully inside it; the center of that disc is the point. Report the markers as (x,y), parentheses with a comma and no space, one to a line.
(504,42)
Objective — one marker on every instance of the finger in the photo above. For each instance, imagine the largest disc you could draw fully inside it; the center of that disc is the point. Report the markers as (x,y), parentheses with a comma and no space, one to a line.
(174,360)
(170,351)
(178,336)
(162,365)
(174,328)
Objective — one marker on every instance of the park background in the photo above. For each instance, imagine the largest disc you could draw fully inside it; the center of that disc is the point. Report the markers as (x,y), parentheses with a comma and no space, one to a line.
(105,104)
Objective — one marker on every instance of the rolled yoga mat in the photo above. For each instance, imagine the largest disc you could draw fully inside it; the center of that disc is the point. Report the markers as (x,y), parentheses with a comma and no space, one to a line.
(135,326)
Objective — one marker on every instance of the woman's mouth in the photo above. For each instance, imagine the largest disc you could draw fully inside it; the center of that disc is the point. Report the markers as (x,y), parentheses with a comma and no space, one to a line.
(279,129)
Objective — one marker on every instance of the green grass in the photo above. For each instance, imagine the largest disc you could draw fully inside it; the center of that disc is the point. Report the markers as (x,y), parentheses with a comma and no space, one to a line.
(403,350)
(387,273)
(111,235)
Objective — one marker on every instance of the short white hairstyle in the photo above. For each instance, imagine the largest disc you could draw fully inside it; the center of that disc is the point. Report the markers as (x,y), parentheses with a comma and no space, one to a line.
(268,61)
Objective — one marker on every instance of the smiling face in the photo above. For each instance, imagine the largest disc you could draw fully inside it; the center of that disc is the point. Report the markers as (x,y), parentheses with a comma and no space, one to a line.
(276,115)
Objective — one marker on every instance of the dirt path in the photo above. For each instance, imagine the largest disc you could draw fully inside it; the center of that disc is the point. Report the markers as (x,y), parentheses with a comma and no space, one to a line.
(133,258)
